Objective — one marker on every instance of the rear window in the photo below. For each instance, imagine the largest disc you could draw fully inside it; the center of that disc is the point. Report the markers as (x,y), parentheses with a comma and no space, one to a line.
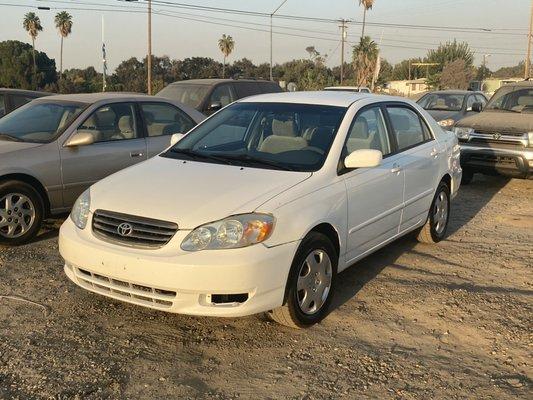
(245,89)
(269,87)
(190,94)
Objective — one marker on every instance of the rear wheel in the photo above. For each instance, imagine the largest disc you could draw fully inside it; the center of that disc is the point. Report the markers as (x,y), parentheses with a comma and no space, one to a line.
(21,212)
(311,283)
(439,214)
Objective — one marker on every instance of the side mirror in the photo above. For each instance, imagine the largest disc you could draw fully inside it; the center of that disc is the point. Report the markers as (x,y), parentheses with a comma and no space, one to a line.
(80,138)
(477,107)
(215,106)
(364,158)
(175,138)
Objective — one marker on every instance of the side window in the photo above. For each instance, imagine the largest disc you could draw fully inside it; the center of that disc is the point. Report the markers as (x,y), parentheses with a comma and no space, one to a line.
(222,94)
(231,131)
(471,100)
(368,131)
(245,89)
(112,122)
(408,128)
(18,101)
(481,99)
(165,119)
(2,105)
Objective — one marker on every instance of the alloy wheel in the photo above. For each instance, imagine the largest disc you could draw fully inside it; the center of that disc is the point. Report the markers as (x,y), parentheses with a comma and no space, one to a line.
(440,213)
(17,215)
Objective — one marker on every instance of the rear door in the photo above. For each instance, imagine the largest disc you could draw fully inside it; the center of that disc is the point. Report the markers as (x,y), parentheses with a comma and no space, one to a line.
(161,121)
(119,143)
(419,152)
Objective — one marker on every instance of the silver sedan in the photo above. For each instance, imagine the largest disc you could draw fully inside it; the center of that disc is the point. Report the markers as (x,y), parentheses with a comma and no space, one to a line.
(53,148)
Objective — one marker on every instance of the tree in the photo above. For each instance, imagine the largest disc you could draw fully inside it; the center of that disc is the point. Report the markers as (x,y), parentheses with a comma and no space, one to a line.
(449,52)
(313,53)
(226,44)
(483,73)
(17,68)
(364,60)
(510,72)
(32,24)
(367,5)
(456,75)
(63,21)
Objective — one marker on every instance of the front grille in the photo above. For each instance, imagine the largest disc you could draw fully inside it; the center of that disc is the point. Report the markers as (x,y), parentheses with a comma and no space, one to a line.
(503,132)
(138,231)
(140,294)
(490,160)
(502,141)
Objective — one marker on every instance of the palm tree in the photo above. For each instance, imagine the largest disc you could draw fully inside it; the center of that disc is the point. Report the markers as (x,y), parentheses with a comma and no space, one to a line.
(226,44)
(365,55)
(63,21)
(367,5)
(33,26)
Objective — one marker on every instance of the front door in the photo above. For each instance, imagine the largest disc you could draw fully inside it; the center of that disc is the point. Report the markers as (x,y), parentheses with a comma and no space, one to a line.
(118,144)
(375,195)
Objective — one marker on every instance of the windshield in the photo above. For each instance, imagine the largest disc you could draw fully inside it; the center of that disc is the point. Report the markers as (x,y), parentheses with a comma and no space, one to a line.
(442,101)
(512,98)
(295,137)
(39,122)
(186,93)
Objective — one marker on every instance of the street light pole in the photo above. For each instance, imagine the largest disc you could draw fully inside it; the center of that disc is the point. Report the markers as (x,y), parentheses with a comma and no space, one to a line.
(527,72)
(271,36)
(149,58)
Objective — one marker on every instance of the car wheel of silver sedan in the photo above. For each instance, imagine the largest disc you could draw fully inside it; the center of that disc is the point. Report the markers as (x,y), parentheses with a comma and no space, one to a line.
(21,212)
(439,215)
(311,283)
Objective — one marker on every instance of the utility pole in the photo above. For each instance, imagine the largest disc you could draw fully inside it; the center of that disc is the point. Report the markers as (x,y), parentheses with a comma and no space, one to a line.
(271,35)
(343,40)
(104,59)
(149,66)
(527,71)
(484,66)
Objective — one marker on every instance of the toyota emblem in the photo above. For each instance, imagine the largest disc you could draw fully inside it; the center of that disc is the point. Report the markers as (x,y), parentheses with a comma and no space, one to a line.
(125,229)
(497,136)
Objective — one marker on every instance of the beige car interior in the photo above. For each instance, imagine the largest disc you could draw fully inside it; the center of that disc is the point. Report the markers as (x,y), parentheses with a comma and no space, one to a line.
(407,133)
(284,138)
(105,125)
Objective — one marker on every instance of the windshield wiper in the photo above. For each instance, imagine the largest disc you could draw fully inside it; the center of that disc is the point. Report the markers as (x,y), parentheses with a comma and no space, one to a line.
(259,161)
(9,137)
(196,155)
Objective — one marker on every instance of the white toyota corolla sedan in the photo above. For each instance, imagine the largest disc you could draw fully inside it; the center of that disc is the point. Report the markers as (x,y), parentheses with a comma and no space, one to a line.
(259,207)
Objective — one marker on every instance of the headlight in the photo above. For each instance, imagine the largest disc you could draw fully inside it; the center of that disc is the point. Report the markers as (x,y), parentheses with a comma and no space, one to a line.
(80,211)
(230,233)
(446,123)
(463,133)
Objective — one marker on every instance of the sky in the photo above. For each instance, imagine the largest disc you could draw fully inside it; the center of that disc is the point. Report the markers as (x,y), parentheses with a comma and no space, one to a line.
(185,33)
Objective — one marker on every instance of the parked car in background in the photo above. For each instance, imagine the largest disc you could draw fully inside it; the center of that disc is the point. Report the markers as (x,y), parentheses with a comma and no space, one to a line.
(11,99)
(356,89)
(210,95)
(450,106)
(288,190)
(54,148)
(500,139)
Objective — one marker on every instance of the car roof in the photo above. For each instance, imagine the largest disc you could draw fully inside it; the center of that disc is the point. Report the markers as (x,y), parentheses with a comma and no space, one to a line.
(214,81)
(331,98)
(519,83)
(345,87)
(24,92)
(452,91)
(94,97)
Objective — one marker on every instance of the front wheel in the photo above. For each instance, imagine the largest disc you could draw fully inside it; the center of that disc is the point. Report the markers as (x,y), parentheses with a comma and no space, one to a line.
(21,212)
(439,214)
(311,283)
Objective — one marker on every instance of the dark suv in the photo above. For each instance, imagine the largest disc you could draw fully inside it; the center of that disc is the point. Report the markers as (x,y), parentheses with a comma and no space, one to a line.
(11,99)
(500,139)
(210,95)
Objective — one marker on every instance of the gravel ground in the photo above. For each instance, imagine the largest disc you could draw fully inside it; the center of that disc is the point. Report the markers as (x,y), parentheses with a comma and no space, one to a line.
(412,321)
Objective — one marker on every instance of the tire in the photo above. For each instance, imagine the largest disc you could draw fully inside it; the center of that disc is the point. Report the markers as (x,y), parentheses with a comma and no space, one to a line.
(468,175)
(19,201)
(298,311)
(434,230)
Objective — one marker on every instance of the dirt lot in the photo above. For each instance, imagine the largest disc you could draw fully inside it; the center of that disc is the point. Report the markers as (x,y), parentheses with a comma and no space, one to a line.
(412,321)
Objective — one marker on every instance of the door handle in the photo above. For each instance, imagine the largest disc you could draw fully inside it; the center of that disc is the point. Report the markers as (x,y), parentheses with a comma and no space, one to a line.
(434,153)
(135,154)
(396,168)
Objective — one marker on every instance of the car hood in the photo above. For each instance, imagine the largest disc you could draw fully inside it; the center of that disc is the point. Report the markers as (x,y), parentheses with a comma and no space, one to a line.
(440,115)
(7,146)
(499,121)
(189,193)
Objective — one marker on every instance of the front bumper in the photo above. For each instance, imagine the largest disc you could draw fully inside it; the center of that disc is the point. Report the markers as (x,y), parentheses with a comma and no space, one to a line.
(504,160)
(172,280)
